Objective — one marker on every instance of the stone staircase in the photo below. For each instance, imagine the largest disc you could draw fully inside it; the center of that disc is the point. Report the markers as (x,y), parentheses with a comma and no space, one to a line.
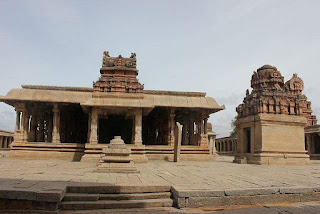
(116,197)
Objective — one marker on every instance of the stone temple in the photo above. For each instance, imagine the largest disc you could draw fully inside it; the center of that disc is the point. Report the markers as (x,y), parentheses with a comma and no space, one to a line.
(271,120)
(74,123)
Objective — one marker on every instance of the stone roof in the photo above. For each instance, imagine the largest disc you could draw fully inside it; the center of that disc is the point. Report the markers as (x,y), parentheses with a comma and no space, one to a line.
(312,129)
(85,97)
(6,133)
(87,89)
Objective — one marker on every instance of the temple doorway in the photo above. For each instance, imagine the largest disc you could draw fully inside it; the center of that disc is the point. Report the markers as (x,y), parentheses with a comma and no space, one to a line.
(247,140)
(316,144)
(115,125)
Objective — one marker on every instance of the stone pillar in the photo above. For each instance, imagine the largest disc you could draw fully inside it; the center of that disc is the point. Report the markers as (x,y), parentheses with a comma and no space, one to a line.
(56,124)
(33,127)
(1,142)
(10,141)
(24,126)
(202,137)
(138,128)
(205,125)
(7,142)
(212,143)
(184,133)
(177,143)
(93,128)
(17,132)
(308,138)
(192,140)
(171,130)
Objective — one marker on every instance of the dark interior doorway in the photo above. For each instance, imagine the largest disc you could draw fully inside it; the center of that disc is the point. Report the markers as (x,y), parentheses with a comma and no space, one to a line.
(115,125)
(247,148)
(317,144)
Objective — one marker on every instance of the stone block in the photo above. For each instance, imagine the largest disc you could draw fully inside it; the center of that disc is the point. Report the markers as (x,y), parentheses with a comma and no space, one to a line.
(250,192)
(49,196)
(197,193)
(296,190)
(311,196)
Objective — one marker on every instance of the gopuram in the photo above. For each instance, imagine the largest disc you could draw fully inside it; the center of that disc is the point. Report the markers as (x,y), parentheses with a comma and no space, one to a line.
(74,123)
(271,120)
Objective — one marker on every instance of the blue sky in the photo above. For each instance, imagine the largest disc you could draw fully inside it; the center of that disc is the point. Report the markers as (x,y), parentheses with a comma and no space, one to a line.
(209,46)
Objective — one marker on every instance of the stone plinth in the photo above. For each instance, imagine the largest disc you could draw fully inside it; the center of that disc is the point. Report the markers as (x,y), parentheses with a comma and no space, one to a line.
(270,139)
(116,158)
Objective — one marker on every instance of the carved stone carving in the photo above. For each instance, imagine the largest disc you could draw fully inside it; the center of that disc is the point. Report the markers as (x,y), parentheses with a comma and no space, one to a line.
(271,95)
(118,74)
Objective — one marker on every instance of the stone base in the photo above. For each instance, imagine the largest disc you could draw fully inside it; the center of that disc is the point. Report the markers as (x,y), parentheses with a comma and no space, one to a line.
(271,139)
(315,156)
(183,157)
(116,158)
(93,153)
(273,159)
(68,151)
(117,168)
(94,158)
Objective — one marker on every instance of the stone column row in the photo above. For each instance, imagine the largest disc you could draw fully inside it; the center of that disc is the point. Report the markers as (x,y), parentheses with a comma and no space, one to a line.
(93,124)
(226,145)
(34,121)
(5,141)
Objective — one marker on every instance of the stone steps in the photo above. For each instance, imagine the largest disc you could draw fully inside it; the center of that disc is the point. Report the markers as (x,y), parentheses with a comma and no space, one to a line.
(113,204)
(133,196)
(116,197)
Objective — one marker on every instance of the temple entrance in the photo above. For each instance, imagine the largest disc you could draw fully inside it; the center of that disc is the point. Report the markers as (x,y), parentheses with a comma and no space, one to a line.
(115,125)
(247,140)
(316,144)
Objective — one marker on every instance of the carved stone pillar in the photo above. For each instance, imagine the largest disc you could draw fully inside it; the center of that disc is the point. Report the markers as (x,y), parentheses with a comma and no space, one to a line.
(56,124)
(138,128)
(33,127)
(184,133)
(1,142)
(308,139)
(24,126)
(17,132)
(93,128)
(171,130)
(192,140)
(205,125)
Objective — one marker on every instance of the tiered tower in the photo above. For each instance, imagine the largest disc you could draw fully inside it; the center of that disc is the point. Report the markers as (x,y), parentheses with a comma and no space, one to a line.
(118,74)
(271,95)
(271,120)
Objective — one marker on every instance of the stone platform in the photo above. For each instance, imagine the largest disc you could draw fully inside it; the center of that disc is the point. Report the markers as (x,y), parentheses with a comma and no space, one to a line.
(43,184)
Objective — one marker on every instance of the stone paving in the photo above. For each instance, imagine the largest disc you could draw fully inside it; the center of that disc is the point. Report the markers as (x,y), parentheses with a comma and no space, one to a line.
(219,175)
(26,177)
(293,208)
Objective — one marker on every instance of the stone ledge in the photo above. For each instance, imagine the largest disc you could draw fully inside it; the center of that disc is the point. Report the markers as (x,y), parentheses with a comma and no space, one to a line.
(200,198)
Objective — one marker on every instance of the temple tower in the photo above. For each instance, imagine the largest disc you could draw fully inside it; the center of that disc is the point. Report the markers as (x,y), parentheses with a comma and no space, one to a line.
(118,74)
(271,120)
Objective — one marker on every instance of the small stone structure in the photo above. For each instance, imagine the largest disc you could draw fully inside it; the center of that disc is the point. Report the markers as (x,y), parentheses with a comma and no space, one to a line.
(312,139)
(226,145)
(116,158)
(6,139)
(271,120)
(212,140)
